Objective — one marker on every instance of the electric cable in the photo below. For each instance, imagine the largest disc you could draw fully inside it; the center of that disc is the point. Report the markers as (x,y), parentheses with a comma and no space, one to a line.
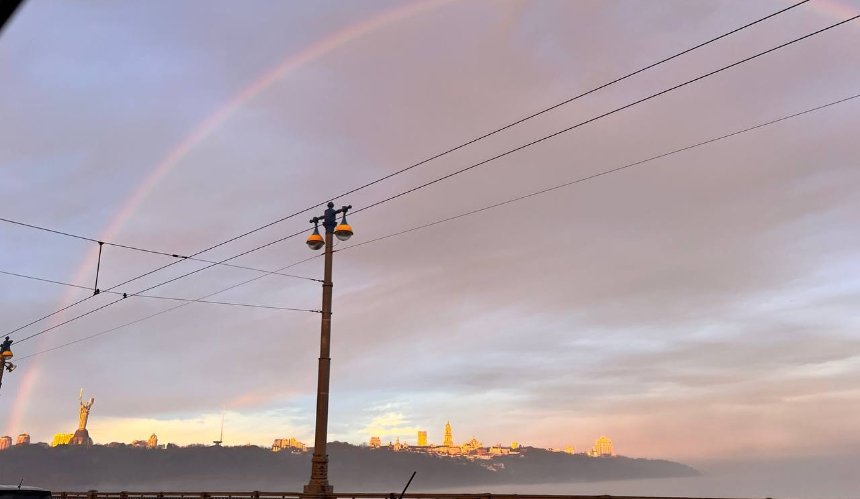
(106,305)
(601,173)
(199,300)
(144,250)
(436,156)
(472,212)
(162,312)
(603,115)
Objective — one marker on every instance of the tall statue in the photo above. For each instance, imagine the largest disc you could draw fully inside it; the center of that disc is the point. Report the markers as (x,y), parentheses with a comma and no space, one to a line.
(85,411)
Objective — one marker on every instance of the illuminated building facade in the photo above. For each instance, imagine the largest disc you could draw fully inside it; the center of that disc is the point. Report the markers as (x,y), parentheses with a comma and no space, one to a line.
(570,449)
(62,439)
(23,439)
(602,448)
(471,446)
(449,436)
(397,446)
(5,442)
(498,450)
(472,449)
(290,444)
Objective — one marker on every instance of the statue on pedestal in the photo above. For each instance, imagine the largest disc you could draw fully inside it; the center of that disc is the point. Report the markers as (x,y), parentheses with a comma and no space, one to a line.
(85,411)
(82,436)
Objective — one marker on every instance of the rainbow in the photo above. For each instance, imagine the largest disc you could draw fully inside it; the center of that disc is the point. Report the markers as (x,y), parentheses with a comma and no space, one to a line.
(825,8)
(175,156)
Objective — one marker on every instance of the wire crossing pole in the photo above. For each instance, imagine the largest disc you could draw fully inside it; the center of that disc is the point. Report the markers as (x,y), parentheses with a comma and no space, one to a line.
(2,368)
(318,485)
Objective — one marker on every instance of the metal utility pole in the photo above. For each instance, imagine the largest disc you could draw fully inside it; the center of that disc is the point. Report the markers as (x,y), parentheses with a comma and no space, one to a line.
(318,485)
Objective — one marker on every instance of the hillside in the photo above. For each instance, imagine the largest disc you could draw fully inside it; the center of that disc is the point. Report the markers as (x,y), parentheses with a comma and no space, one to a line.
(351,468)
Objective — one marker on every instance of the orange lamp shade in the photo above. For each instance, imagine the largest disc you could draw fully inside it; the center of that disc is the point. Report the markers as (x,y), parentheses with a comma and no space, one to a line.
(315,241)
(343,231)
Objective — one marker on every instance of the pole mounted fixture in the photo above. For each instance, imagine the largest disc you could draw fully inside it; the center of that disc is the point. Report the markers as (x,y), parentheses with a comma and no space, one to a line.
(5,355)
(342,230)
(318,486)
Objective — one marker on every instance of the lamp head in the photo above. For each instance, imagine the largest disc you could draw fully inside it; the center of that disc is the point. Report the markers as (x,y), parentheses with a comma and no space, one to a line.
(343,231)
(315,241)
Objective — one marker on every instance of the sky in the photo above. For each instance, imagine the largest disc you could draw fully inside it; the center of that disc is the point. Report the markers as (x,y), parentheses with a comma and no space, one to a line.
(701,306)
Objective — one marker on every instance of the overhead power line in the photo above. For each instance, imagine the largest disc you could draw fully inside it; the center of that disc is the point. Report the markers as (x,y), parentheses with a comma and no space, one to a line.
(250,305)
(125,295)
(475,165)
(574,98)
(600,174)
(476,211)
(162,312)
(145,250)
(603,115)
(431,158)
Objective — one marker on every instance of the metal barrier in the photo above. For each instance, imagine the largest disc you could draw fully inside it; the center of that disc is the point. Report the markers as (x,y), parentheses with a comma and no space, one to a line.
(93,494)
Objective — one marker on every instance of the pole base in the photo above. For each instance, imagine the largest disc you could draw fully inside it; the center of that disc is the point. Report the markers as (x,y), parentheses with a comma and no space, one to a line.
(318,486)
(318,490)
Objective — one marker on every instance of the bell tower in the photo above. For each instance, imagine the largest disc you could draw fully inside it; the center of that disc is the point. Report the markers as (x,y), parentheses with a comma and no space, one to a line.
(449,439)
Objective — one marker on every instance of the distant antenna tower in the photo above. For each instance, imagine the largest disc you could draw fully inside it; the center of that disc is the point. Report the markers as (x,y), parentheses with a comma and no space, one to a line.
(221,437)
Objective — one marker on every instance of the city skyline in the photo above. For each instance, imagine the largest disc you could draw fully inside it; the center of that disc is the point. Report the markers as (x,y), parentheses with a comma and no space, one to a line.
(447,440)
(695,307)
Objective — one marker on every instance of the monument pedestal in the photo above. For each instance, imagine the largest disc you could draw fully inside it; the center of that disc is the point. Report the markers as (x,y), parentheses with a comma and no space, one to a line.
(81,437)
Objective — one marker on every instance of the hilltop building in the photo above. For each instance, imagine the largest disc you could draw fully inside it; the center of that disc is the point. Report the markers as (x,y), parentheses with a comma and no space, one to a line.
(152,443)
(602,448)
(5,442)
(62,439)
(397,446)
(138,444)
(449,436)
(472,449)
(290,444)
(498,450)
(23,439)
(471,446)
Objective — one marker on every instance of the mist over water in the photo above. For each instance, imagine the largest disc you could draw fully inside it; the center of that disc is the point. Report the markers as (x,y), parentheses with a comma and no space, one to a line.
(830,477)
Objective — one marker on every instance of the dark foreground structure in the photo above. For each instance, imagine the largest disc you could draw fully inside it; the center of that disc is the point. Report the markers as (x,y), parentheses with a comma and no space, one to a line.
(296,495)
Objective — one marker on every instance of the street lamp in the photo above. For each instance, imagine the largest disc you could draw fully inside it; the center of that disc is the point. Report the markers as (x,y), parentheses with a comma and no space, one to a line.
(5,355)
(318,484)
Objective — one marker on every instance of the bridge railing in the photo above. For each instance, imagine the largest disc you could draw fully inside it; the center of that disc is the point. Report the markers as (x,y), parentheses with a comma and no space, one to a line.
(93,494)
